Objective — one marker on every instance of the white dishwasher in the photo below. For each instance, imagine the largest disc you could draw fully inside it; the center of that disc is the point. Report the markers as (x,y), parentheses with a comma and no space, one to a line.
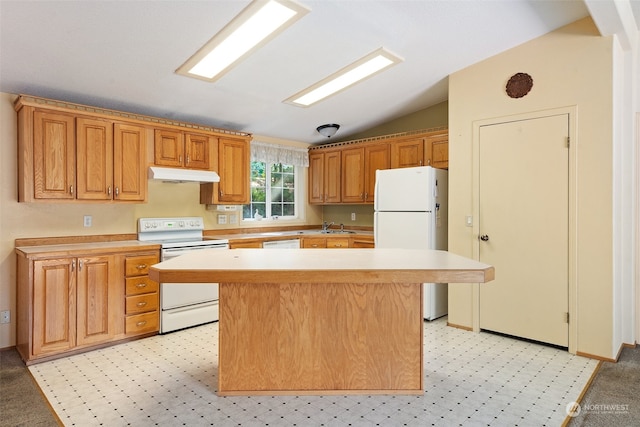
(282,244)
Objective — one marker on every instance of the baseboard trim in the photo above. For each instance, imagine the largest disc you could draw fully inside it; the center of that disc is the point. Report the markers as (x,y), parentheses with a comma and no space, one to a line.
(465,328)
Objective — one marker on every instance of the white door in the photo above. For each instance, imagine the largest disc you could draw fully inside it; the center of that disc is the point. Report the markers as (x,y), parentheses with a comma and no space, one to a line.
(524,211)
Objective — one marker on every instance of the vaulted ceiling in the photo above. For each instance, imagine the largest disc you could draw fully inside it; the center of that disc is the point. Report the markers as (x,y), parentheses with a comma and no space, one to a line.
(123,55)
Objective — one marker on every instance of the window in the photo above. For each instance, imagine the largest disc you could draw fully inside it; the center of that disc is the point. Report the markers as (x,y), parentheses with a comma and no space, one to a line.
(273,191)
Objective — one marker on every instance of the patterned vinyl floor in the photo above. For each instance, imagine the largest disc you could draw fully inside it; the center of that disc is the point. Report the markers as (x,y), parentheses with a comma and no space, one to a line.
(471,379)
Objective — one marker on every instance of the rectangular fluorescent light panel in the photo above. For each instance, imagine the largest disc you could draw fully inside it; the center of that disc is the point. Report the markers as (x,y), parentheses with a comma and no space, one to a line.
(256,25)
(363,68)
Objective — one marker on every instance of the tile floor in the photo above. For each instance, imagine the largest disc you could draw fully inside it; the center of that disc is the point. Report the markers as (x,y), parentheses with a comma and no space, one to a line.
(471,379)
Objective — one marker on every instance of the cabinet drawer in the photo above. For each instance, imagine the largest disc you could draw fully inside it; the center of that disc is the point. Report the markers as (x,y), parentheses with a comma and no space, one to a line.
(140,285)
(147,322)
(139,265)
(338,243)
(141,303)
(314,242)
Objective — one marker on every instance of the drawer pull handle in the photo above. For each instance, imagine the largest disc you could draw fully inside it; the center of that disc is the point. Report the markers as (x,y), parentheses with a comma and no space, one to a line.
(144,322)
(141,304)
(141,266)
(141,285)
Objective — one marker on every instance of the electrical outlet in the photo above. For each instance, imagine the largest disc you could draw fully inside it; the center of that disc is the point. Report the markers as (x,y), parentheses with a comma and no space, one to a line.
(233,219)
(353,216)
(88,220)
(5,316)
(222,219)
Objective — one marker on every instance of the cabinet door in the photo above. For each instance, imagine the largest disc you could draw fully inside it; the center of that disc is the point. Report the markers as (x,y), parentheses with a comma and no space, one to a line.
(54,156)
(234,170)
(168,148)
(353,175)
(375,157)
(438,150)
(332,172)
(96,288)
(407,153)
(129,162)
(316,178)
(54,305)
(197,149)
(94,139)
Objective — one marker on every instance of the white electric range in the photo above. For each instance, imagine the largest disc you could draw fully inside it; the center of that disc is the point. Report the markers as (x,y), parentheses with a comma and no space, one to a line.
(182,304)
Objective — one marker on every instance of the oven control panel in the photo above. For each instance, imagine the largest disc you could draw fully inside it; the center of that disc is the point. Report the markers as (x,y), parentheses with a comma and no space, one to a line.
(168,224)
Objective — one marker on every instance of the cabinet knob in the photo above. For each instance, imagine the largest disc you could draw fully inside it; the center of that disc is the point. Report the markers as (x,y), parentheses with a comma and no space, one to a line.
(109,191)
(144,322)
(71,189)
(141,266)
(141,285)
(117,191)
(141,304)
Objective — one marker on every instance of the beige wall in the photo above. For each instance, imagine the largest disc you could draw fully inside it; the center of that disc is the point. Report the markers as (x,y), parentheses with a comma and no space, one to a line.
(431,117)
(571,67)
(19,220)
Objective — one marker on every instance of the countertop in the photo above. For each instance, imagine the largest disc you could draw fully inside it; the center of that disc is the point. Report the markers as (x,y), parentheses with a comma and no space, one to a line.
(322,266)
(63,249)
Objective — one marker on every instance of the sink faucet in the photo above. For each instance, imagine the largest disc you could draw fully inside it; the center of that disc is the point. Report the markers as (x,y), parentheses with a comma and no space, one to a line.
(326,226)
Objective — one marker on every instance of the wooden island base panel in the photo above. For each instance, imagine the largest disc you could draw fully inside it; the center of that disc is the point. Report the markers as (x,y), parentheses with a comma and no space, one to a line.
(346,321)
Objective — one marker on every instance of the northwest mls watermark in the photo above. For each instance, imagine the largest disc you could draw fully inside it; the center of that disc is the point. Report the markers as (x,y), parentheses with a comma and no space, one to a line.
(574,409)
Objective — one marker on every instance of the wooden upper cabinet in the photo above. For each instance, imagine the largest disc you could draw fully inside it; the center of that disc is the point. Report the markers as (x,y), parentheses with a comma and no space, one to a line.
(130,162)
(197,150)
(168,148)
(182,149)
(376,157)
(63,156)
(437,150)
(316,178)
(51,174)
(359,167)
(346,172)
(353,175)
(325,177)
(94,150)
(233,166)
(406,153)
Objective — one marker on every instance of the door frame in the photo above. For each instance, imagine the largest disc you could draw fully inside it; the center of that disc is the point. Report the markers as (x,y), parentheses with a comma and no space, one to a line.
(572,114)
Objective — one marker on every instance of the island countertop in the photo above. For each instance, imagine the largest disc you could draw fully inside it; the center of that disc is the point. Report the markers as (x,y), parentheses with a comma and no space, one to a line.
(322,266)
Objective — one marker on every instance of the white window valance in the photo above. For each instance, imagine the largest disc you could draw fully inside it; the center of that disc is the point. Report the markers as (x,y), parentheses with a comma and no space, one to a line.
(273,153)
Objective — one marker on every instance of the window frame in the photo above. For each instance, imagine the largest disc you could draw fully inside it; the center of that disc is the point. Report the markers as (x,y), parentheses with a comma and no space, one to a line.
(297,194)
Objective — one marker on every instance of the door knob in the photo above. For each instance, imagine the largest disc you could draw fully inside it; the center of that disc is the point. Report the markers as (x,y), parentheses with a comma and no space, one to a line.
(484,238)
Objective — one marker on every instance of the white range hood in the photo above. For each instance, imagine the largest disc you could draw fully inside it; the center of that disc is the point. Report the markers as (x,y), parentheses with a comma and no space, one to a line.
(182,175)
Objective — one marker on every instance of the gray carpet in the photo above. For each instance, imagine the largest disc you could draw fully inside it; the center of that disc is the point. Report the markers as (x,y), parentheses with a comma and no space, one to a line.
(21,402)
(613,399)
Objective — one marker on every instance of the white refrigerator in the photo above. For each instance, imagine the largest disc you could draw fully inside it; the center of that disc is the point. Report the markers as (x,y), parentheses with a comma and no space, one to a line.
(411,213)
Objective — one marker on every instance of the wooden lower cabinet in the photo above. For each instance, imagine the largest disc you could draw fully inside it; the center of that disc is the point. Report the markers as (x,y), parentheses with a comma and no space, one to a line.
(325,242)
(142,298)
(73,302)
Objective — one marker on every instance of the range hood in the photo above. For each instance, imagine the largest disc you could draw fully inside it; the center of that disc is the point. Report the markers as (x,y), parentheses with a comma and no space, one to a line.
(182,175)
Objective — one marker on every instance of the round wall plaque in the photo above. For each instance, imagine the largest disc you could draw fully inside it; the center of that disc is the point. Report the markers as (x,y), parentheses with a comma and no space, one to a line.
(519,85)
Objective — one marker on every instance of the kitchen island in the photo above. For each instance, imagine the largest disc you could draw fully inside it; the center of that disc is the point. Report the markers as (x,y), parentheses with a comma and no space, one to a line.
(318,321)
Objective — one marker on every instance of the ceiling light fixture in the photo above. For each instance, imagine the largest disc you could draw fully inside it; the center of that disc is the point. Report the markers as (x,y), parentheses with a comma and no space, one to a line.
(328,130)
(255,26)
(363,68)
